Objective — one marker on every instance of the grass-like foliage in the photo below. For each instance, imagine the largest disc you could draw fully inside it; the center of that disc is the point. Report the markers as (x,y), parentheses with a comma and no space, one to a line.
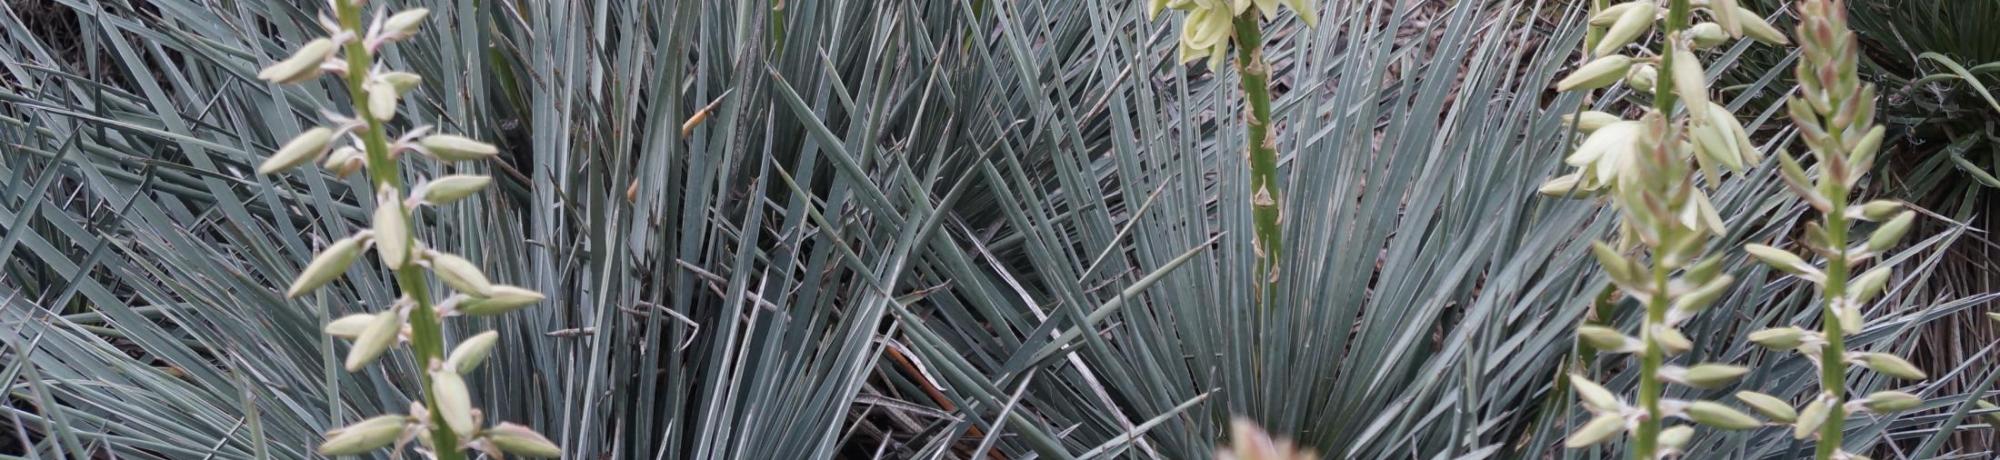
(857,229)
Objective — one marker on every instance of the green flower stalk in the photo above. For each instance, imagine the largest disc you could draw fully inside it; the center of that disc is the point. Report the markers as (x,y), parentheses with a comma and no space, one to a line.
(1834,112)
(1648,169)
(443,420)
(1211,26)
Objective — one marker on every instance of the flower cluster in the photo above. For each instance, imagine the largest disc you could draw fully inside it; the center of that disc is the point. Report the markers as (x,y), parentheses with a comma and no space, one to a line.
(1648,168)
(1834,112)
(445,422)
(1211,24)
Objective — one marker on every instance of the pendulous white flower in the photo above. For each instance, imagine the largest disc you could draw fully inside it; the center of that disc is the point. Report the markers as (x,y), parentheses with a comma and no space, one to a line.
(1610,153)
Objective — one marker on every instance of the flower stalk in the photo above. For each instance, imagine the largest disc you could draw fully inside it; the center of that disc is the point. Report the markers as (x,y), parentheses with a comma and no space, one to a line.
(1834,112)
(1212,26)
(442,419)
(426,336)
(1648,168)
(1260,148)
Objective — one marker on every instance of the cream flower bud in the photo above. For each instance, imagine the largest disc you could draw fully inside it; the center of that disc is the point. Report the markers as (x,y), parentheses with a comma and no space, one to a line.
(1642,77)
(1594,395)
(1717,415)
(1606,339)
(1850,318)
(1780,338)
(1691,82)
(382,100)
(522,441)
(1882,402)
(1888,364)
(344,160)
(1676,437)
(404,24)
(392,229)
(331,263)
(1589,120)
(1704,295)
(1773,408)
(1564,186)
(1877,210)
(469,353)
(1597,73)
(402,81)
(302,149)
(1891,232)
(1810,419)
(302,65)
(1725,13)
(364,436)
(1869,284)
(1862,155)
(376,339)
(1992,418)
(1672,340)
(1755,28)
(1631,23)
(1700,214)
(350,326)
(456,148)
(454,401)
(1784,261)
(1707,35)
(1621,269)
(1610,15)
(1711,376)
(460,274)
(499,299)
(453,188)
(1601,428)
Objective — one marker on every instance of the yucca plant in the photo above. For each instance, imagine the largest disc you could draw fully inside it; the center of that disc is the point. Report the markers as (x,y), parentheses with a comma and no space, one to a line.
(830,229)
(1648,168)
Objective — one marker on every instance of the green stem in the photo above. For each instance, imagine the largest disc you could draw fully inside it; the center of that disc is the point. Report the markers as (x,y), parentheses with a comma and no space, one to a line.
(1260,146)
(1832,356)
(1663,85)
(426,335)
(1651,389)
